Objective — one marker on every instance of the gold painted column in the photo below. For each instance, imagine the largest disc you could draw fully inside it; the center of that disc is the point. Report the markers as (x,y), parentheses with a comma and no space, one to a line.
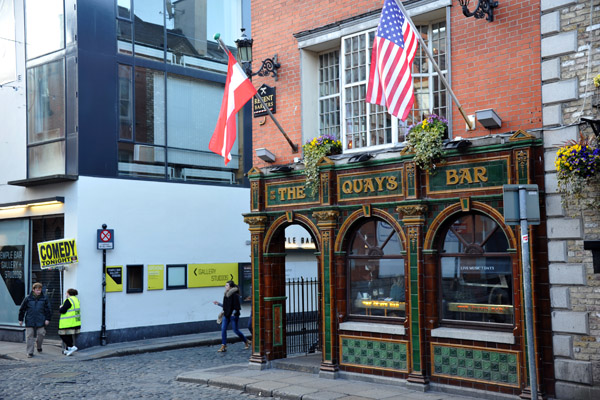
(326,221)
(413,217)
(257,231)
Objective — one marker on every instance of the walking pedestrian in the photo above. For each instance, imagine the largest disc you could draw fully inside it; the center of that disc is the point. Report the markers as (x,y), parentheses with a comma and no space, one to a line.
(70,321)
(35,311)
(231,313)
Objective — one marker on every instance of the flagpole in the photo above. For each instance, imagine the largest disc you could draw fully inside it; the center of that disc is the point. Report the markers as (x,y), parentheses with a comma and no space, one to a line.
(292,145)
(437,68)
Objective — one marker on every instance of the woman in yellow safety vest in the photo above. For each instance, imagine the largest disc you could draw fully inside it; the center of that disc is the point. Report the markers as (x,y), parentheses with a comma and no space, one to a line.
(70,321)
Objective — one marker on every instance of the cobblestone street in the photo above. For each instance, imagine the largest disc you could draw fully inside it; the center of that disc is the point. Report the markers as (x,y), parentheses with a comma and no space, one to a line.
(148,376)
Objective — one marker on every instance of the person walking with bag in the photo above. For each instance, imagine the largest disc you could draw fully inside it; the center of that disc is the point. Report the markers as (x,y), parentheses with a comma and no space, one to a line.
(231,313)
(70,321)
(35,311)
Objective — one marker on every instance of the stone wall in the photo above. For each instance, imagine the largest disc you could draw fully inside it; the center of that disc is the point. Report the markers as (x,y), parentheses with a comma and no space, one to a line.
(570,54)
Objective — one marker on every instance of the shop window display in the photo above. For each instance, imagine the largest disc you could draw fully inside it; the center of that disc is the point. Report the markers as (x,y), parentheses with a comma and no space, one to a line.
(376,272)
(476,272)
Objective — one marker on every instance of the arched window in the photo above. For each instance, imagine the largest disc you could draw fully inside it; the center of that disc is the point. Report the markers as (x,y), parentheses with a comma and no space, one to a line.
(376,271)
(476,272)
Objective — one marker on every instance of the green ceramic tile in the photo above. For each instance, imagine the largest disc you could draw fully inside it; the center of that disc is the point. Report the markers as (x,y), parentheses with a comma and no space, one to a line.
(491,366)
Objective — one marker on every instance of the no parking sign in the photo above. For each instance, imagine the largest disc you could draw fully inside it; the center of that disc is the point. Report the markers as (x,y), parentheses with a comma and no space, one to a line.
(106,239)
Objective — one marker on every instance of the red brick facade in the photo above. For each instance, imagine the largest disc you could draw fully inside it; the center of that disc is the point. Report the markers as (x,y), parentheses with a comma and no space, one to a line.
(494,65)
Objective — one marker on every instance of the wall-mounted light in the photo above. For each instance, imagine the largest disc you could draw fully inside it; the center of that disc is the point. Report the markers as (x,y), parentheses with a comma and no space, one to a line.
(484,7)
(488,118)
(244,47)
(265,155)
(33,203)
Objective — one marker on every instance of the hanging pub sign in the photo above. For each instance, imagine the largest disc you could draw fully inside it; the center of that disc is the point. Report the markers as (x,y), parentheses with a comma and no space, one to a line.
(268,95)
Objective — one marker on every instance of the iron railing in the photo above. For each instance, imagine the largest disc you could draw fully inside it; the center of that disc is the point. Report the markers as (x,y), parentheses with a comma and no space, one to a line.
(302,316)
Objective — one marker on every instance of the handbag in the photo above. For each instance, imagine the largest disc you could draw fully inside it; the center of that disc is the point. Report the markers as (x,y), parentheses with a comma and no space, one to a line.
(220,317)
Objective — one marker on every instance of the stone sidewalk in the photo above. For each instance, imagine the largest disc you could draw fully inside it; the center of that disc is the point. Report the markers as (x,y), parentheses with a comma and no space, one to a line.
(301,382)
(290,378)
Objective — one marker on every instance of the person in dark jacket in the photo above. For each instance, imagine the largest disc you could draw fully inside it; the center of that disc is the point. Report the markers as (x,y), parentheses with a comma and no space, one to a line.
(35,311)
(231,313)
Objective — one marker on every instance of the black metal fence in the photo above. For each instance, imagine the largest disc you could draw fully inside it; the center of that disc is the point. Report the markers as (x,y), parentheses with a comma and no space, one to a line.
(302,327)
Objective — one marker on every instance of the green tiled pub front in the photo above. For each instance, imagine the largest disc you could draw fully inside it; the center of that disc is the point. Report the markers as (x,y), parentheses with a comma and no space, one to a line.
(425,344)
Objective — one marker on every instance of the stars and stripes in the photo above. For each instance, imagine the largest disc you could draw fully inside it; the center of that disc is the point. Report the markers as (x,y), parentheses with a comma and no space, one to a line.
(390,80)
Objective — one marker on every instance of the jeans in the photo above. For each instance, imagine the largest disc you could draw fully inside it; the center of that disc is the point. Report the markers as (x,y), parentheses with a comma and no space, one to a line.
(234,324)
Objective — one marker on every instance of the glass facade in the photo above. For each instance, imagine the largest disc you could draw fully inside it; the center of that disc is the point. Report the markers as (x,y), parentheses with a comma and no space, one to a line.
(177,32)
(376,272)
(44,27)
(46,115)
(343,87)
(162,134)
(8,66)
(476,272)
(14,259)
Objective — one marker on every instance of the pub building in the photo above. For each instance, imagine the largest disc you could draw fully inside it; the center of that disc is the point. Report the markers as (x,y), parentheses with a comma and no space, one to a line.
(420,277)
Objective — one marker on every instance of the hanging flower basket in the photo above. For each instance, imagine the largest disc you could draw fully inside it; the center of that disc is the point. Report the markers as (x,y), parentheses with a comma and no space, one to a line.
(578,165)
(314,150)
(425,139)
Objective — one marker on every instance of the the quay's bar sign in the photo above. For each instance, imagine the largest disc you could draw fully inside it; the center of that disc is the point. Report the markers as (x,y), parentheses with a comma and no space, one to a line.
(281,194)
(373,184)
(472,175)
(269,97)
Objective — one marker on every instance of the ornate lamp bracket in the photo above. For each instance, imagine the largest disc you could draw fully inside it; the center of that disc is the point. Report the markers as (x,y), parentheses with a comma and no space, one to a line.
(484,7)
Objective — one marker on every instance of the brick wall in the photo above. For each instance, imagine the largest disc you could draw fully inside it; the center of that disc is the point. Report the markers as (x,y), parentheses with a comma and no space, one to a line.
(494,65)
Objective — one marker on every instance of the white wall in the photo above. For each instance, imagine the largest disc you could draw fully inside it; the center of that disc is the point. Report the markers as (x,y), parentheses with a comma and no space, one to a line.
(154,223)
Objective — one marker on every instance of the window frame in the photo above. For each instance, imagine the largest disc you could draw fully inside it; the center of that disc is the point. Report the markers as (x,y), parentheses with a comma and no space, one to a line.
(180,286)
(323,45)
(349,258)
(454,323)
(137,269)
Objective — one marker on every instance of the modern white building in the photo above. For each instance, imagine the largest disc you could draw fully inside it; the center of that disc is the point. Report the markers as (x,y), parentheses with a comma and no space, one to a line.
(106,110)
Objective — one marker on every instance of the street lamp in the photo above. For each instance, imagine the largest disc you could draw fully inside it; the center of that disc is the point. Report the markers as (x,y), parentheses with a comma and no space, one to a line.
(244,47)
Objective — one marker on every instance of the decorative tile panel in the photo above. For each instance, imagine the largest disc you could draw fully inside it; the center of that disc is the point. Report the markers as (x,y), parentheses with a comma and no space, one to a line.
(476,364)
(374,353)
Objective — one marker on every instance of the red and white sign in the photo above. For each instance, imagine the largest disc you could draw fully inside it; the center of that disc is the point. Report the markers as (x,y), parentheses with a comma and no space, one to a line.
(105,239)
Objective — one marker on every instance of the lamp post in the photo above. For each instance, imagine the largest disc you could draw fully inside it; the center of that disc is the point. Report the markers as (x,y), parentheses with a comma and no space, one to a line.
(244,47)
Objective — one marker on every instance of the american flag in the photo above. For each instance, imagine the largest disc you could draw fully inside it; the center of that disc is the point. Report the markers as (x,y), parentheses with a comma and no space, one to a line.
(390,80)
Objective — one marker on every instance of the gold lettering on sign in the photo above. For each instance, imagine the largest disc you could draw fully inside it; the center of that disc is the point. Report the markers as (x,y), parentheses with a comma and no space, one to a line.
(464,175)
(367,185)
(392,184)
(289,193)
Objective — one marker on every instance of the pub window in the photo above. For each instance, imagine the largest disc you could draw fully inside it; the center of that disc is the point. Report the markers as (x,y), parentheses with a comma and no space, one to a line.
(135,278)
(476,273)
(376,275)
(176,276)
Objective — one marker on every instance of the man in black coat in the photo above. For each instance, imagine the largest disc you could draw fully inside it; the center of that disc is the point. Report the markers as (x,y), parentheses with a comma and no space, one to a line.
(36,312)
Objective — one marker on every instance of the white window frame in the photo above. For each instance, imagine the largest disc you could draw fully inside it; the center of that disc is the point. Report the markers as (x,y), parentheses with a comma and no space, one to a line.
(321,41)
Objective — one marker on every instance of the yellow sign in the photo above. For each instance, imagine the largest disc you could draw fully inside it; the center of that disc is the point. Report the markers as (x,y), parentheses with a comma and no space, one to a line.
(114,278)
(210,275)
(57,252)
(156,277)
